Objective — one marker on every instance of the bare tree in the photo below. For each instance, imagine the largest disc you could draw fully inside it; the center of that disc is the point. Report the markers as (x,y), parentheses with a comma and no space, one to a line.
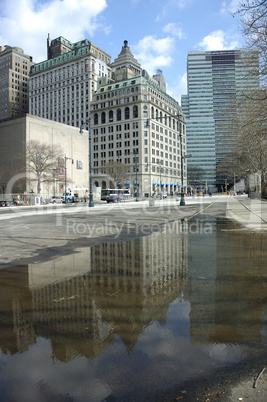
(249,126)
(41,159)
(195,175)
(254,23)
(116,170)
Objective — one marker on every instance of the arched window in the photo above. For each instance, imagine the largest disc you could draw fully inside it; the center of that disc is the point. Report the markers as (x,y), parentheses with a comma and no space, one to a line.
(160,117)
(127,113)
(170,122)
(152,113)
(118,114)
(103,118)
(95,119)
(173,124)
(165,118)
(157,114)
(135,111)
(110,116)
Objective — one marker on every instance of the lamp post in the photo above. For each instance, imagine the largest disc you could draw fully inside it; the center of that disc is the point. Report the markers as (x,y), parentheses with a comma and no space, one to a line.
(137,188)
(182,201)
(91,201)
(54,174)
(160,185)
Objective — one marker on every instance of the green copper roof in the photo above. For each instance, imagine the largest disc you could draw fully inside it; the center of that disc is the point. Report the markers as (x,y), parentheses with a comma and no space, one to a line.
(114,86)
(80,49)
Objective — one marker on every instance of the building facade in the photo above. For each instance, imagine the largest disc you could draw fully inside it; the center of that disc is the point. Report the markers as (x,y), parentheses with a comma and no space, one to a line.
(61,87)
(135,123)
(215,80)
(70,170)
(14,80)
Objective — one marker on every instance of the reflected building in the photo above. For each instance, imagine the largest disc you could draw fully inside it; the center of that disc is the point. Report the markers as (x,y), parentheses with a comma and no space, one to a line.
(17,330)
(83,300)
(226,293)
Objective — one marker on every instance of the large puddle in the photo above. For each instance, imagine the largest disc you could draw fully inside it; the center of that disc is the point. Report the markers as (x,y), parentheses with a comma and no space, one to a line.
(119,321)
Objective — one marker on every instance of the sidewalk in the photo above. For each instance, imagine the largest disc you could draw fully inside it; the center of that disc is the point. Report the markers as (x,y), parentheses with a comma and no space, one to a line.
(252,214)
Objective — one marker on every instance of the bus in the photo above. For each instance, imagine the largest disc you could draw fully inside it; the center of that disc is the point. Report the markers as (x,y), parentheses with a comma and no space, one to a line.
(122,192)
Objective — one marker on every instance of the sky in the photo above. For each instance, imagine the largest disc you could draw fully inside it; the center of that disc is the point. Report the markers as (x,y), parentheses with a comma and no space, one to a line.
(159,33)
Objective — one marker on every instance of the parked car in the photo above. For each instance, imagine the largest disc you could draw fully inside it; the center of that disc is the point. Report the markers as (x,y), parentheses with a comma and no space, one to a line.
(56,200)
(17,201)
(113,198)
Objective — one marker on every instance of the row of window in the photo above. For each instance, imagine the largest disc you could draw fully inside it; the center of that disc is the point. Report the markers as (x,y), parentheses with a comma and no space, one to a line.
(109,116)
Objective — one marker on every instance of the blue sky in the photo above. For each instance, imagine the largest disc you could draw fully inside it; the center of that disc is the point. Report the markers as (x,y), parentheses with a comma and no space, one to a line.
(159,33)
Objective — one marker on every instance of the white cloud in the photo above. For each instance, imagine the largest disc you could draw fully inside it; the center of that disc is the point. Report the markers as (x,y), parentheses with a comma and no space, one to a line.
(174,30)
(26,24)
(153,53)
(218,40)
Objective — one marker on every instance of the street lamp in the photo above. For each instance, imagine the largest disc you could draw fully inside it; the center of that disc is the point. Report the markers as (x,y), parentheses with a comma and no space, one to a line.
(160,185)
(137,188)
(91,201)
(54,175)
(182,201)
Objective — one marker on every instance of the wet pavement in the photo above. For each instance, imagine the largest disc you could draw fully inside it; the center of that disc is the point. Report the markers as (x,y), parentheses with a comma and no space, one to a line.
(134,304)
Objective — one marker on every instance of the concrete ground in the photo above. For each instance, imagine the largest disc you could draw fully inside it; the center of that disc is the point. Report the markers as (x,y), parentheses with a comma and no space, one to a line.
(30,233)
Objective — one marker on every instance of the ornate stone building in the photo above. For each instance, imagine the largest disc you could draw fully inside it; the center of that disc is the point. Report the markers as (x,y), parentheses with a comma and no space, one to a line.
(136,123)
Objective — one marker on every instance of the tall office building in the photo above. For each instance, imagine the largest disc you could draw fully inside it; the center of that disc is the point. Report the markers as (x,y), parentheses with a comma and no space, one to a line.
(14,76)
(61,87)
(215,80)
(135,122)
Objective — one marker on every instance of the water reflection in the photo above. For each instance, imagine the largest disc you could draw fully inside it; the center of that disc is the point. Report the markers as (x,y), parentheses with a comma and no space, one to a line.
(122,318)
(83,300)
(227,288)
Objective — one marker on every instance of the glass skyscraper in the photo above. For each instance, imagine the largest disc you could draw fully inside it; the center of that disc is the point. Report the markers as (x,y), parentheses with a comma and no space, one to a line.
(215,79)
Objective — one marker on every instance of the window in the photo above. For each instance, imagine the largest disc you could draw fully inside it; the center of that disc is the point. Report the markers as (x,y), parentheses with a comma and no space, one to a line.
(95,119)
(103,118)
(110,116)
(79,165)
(135,111)
(118,114)
(127,113)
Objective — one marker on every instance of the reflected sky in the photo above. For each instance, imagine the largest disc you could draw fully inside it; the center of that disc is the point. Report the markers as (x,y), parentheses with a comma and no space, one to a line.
(123,319)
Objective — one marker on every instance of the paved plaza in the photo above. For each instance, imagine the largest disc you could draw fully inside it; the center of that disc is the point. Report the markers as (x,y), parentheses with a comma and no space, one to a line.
(41,232)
